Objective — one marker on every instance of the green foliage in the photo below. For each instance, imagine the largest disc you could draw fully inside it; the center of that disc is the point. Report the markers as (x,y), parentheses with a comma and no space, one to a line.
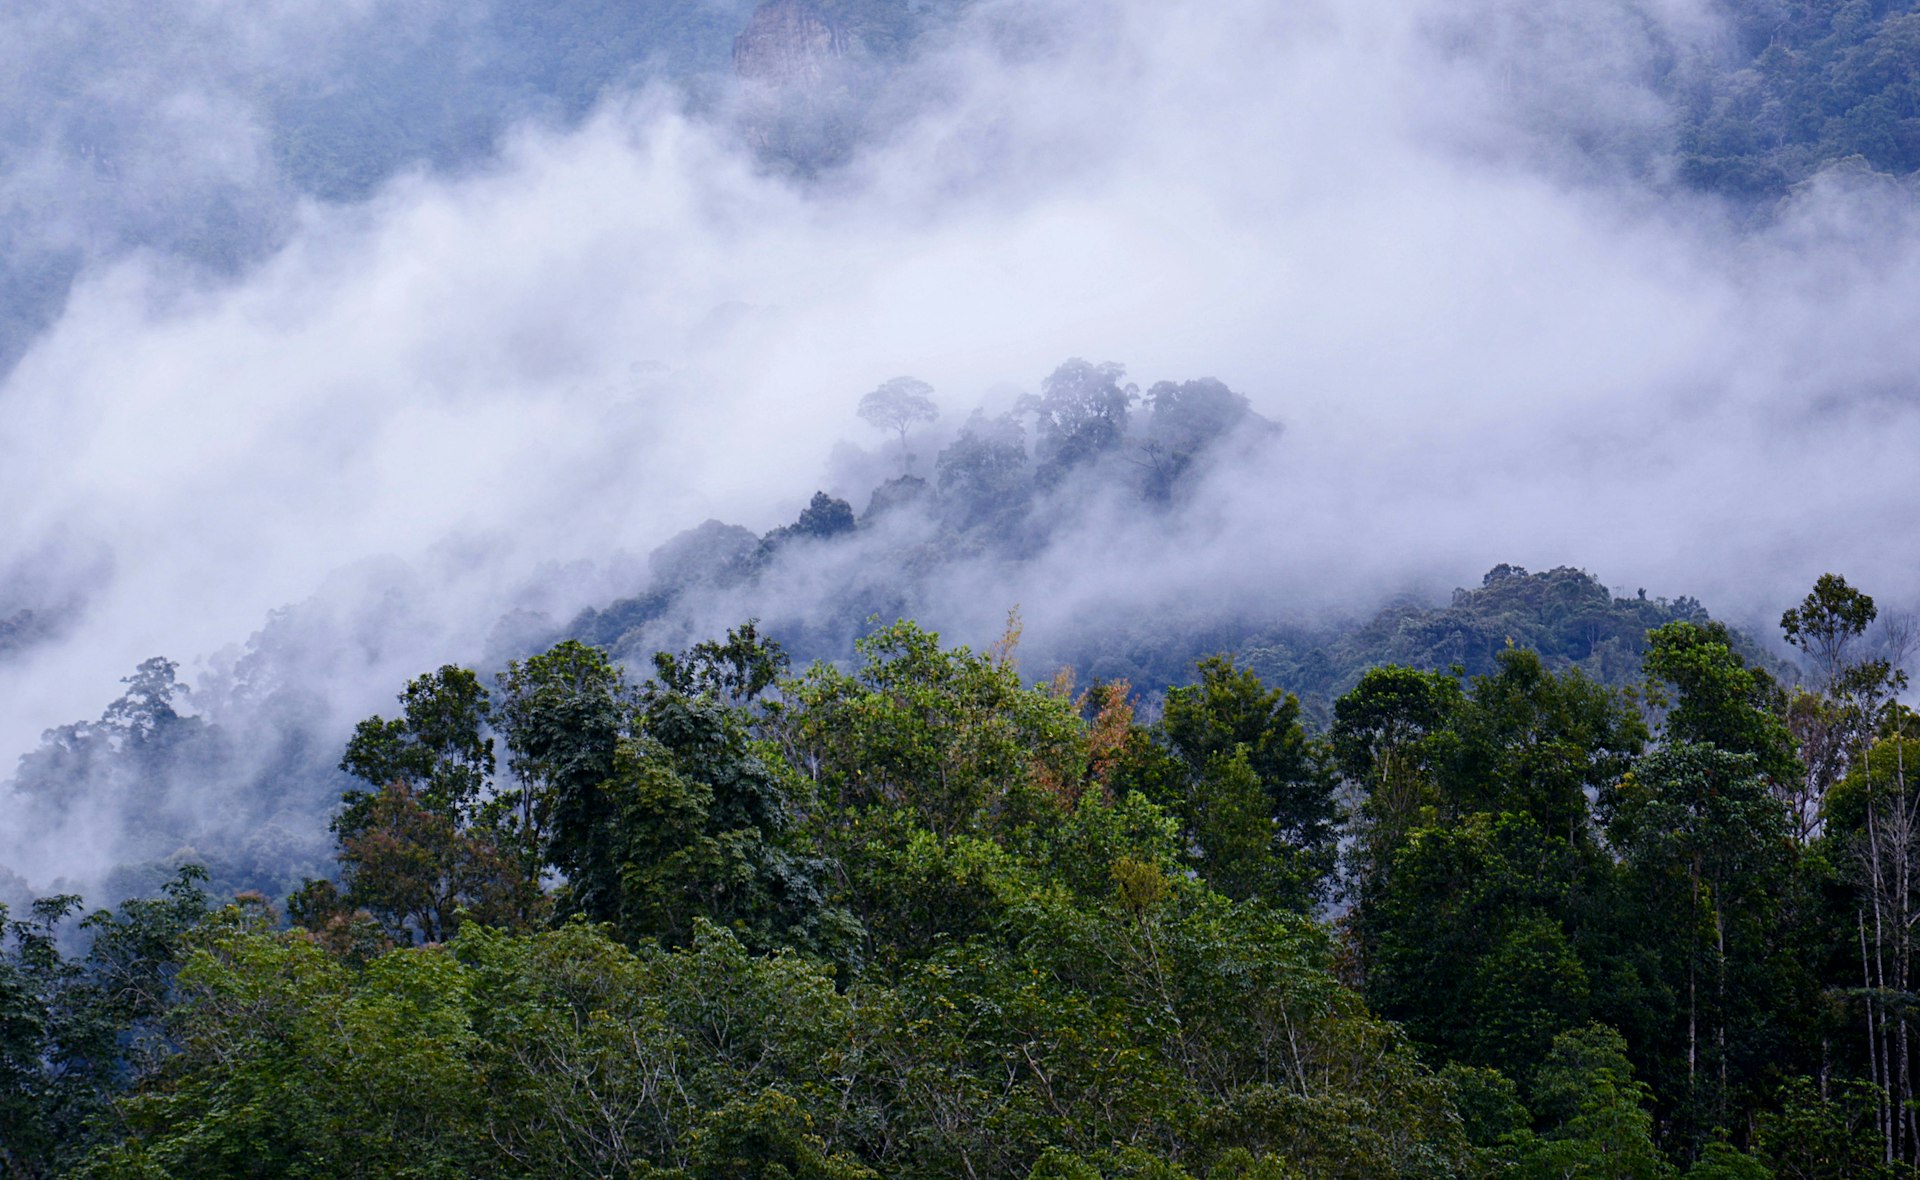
(767,1137)
(950,736)
(735,672)
(1827,622)
(1230,713)
(1823,1133)
(1254,794)
(1594,1117)
(564,713)
(697,830)
(1530,741)
(1379,726)
(1722,1161)
(1468,946)
(1720,701)
(1708,861)
(76,1029)
(1566,615)
(1488,1103)
(1477,868)
(438,747)
(920,919)
(1811,84)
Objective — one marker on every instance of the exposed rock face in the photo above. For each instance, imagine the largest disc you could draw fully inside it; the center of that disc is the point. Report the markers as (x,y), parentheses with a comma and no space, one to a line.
(788,44)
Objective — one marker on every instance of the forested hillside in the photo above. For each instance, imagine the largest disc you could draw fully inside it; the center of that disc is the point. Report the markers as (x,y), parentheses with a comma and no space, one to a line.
(238,773)
(1804,85)
(486,694)
(919,918)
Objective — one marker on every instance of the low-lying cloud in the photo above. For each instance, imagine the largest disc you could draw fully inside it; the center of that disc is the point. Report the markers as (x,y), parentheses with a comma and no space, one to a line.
(1442,251)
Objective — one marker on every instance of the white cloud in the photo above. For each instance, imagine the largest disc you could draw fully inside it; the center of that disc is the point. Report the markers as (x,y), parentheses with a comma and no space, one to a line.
(1487,346)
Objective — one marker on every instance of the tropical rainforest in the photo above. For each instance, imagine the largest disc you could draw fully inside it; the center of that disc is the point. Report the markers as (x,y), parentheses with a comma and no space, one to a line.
(750,854)
(919,916)
(1540,882)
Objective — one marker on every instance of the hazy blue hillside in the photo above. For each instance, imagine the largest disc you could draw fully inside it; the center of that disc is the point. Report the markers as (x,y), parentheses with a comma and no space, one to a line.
(243,774)
(127,129)
(156,127)
(1806,83)
(549,553)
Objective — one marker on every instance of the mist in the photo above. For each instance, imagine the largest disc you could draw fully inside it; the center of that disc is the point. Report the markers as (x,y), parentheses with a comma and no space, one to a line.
(1441,248)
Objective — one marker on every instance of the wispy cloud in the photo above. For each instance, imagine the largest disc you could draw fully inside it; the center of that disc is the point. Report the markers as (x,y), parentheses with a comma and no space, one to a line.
(1443,253)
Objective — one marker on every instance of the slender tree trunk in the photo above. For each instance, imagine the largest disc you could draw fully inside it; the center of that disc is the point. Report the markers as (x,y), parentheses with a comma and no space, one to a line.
(1873,1041)
(1693,964)
(1720,999)
(1904,850)
(1877,897)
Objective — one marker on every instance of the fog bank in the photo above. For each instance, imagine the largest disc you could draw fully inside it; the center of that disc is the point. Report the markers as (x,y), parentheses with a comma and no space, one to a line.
(1443,253)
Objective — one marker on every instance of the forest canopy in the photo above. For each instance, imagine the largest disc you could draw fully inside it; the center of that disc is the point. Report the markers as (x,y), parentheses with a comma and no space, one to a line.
(919,916)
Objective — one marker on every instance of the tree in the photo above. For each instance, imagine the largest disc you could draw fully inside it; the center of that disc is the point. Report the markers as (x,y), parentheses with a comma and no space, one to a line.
(76,1030)
(1081,414)
(145,712)
(1529,741)
(1183,420)
(1387,733)
(823,518)
(698,828)
(948,735)
(422,874)
(1597,1122)
(767,1137)
(1231,709)
(1827,623)
(563,714)
(1719,700)
(1874,824)
(1823,1133)
(439,748)
(899,405)
(1254,791)
(1840,730)
(1722,702)
(1709,862)
(982,476)
(1468,945)
(126,759)
(1836,722)
(733,672)
(288,1061)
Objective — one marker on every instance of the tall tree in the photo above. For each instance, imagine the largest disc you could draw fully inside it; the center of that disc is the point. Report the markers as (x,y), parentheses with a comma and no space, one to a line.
(983,476)
(1248,777)
(899,405)
(1709,862)
(1527,740)
(422,873)
(1388,732)
(439,747)
(735,671)
(1080,415)
(1718,700)
(1828,625)
(563,714)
